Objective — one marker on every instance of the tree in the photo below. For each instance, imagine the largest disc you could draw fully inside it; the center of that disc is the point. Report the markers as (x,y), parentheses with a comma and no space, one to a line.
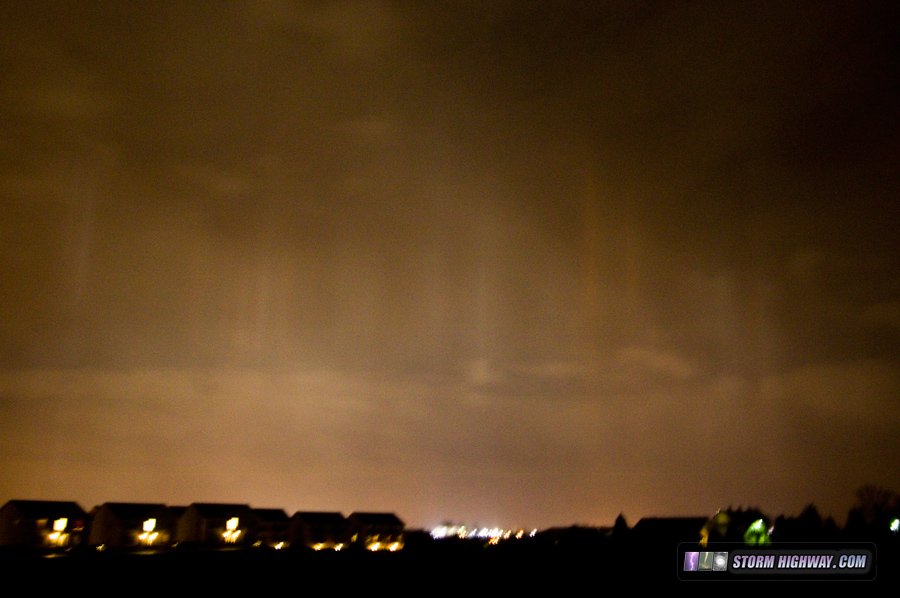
(620,527)
(874,508)
(808,526)
(875,501)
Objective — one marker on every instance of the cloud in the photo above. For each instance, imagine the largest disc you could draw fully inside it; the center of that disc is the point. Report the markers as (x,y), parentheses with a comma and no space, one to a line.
(654,362)
(863,392)
(331,251)
(883,313)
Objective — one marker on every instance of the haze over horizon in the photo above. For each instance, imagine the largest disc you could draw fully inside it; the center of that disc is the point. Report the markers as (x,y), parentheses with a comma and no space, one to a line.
(504,263)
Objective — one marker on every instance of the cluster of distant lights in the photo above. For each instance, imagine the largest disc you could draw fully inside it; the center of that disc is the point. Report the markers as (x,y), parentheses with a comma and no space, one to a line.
(493,535)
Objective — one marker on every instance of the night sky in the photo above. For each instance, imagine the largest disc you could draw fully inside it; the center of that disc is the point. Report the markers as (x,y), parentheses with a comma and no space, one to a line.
(507,263)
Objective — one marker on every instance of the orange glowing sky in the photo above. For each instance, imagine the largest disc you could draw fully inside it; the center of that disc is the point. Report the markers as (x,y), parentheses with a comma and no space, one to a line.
(502,263)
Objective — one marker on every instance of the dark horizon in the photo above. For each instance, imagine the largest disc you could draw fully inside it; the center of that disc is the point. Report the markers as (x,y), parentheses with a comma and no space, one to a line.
(204,545)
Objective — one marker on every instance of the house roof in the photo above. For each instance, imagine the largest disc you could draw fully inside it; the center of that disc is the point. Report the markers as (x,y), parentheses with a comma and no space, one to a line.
(670,525)
(381,519)
(133,510)
(219,510)
(320,517)
(44,509)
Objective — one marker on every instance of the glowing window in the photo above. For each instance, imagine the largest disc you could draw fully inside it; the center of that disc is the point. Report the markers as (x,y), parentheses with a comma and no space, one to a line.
(231,533)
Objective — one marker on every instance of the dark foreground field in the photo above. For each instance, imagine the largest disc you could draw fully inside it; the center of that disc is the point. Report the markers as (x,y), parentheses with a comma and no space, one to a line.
(420,569)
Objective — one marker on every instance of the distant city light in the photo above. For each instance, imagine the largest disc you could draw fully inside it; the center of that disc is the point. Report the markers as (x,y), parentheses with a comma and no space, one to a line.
(493,535)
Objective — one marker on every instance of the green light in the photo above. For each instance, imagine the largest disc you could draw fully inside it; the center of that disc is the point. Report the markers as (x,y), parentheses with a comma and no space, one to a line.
(895,525)
(756,533)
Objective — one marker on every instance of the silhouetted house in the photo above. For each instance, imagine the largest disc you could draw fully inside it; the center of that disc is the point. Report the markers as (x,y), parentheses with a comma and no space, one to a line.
(376,531)
(271,528)
(176,511)
(119,525)
(667,531)
(319,530)
(42,524)
(215,525)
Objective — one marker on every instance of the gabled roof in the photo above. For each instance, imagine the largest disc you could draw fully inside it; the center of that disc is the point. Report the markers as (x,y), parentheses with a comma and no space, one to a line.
(380,519)
(219,510)
(320,517)
(44,509)
(670,525)
(134,510)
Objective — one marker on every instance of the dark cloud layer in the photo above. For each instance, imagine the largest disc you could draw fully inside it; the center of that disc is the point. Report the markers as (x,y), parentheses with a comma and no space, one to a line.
(514,263)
